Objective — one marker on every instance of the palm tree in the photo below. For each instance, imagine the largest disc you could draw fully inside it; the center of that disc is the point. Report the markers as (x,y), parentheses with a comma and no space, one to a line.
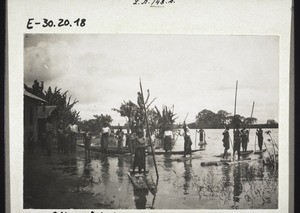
(135,112)
(101,119)
(164,119)
(64,105)
(128,109)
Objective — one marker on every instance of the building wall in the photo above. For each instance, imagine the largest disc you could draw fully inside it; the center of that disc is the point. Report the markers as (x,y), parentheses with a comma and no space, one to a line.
(30,118)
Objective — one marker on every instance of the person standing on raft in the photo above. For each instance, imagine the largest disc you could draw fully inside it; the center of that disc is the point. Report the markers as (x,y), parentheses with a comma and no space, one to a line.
(245,139)
(140,154)
(120,135)
(104,137)
(187,140)
(168,139)
(201,136)
(260,138)
(225,140)
(87,143)
(237,143)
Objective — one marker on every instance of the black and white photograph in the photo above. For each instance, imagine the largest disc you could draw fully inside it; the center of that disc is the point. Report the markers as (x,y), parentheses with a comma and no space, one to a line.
(149,106)
(151,121)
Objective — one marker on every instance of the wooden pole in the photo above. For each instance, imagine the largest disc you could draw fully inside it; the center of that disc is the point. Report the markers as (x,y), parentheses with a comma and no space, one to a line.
(252,113)
(195,138)
(148,130)
(251,117)
(185,117)
(255,143)
(234,113)
(252,109)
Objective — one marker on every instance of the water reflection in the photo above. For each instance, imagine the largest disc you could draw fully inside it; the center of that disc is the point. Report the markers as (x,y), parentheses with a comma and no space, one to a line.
(150,163)
(226,184)
(140,198)
(187,175)
(104,168)
(167,162)
(87,167)
(226,176)
(69,165)
(202,146)
(154,193)
(237,185)
(120,170)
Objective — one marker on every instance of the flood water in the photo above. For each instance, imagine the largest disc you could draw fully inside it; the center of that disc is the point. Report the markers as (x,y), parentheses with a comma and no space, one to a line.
(182,184)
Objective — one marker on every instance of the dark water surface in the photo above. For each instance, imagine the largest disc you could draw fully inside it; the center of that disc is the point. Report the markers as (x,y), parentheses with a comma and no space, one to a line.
(182,184)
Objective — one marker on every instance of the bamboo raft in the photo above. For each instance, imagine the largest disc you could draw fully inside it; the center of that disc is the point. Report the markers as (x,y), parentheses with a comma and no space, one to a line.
(124,151)
(181,159)
(238,161)
(215,163)
(242,153)
(176,152)
(143,181)
(246,152)
(221,155)
(109,150)
(259,151)
(225,162)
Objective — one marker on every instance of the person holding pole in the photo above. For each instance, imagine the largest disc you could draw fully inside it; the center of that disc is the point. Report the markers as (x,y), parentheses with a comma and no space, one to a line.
(187,140)
(245,139)
(237,142)
(226,141)
(148,129)
(120,135)
(140,154)
(260,138)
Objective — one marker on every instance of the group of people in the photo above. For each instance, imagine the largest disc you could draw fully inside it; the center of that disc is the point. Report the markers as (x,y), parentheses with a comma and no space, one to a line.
(104,141)
(241,137)
(66,138)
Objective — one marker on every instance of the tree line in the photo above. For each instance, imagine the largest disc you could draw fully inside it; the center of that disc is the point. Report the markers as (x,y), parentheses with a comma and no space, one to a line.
(209,119)
(158,119)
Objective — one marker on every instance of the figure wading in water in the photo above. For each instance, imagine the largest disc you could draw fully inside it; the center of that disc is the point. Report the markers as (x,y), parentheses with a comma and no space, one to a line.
(237,143)
(226,141)
(168,139)
(140,153)
(104,137)
(185,132)
(260,138)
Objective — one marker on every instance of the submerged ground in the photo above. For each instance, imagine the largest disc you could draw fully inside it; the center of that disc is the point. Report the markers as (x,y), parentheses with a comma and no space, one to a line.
(100,181)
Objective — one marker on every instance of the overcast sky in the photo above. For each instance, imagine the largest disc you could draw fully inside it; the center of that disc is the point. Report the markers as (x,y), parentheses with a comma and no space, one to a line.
(193,72)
